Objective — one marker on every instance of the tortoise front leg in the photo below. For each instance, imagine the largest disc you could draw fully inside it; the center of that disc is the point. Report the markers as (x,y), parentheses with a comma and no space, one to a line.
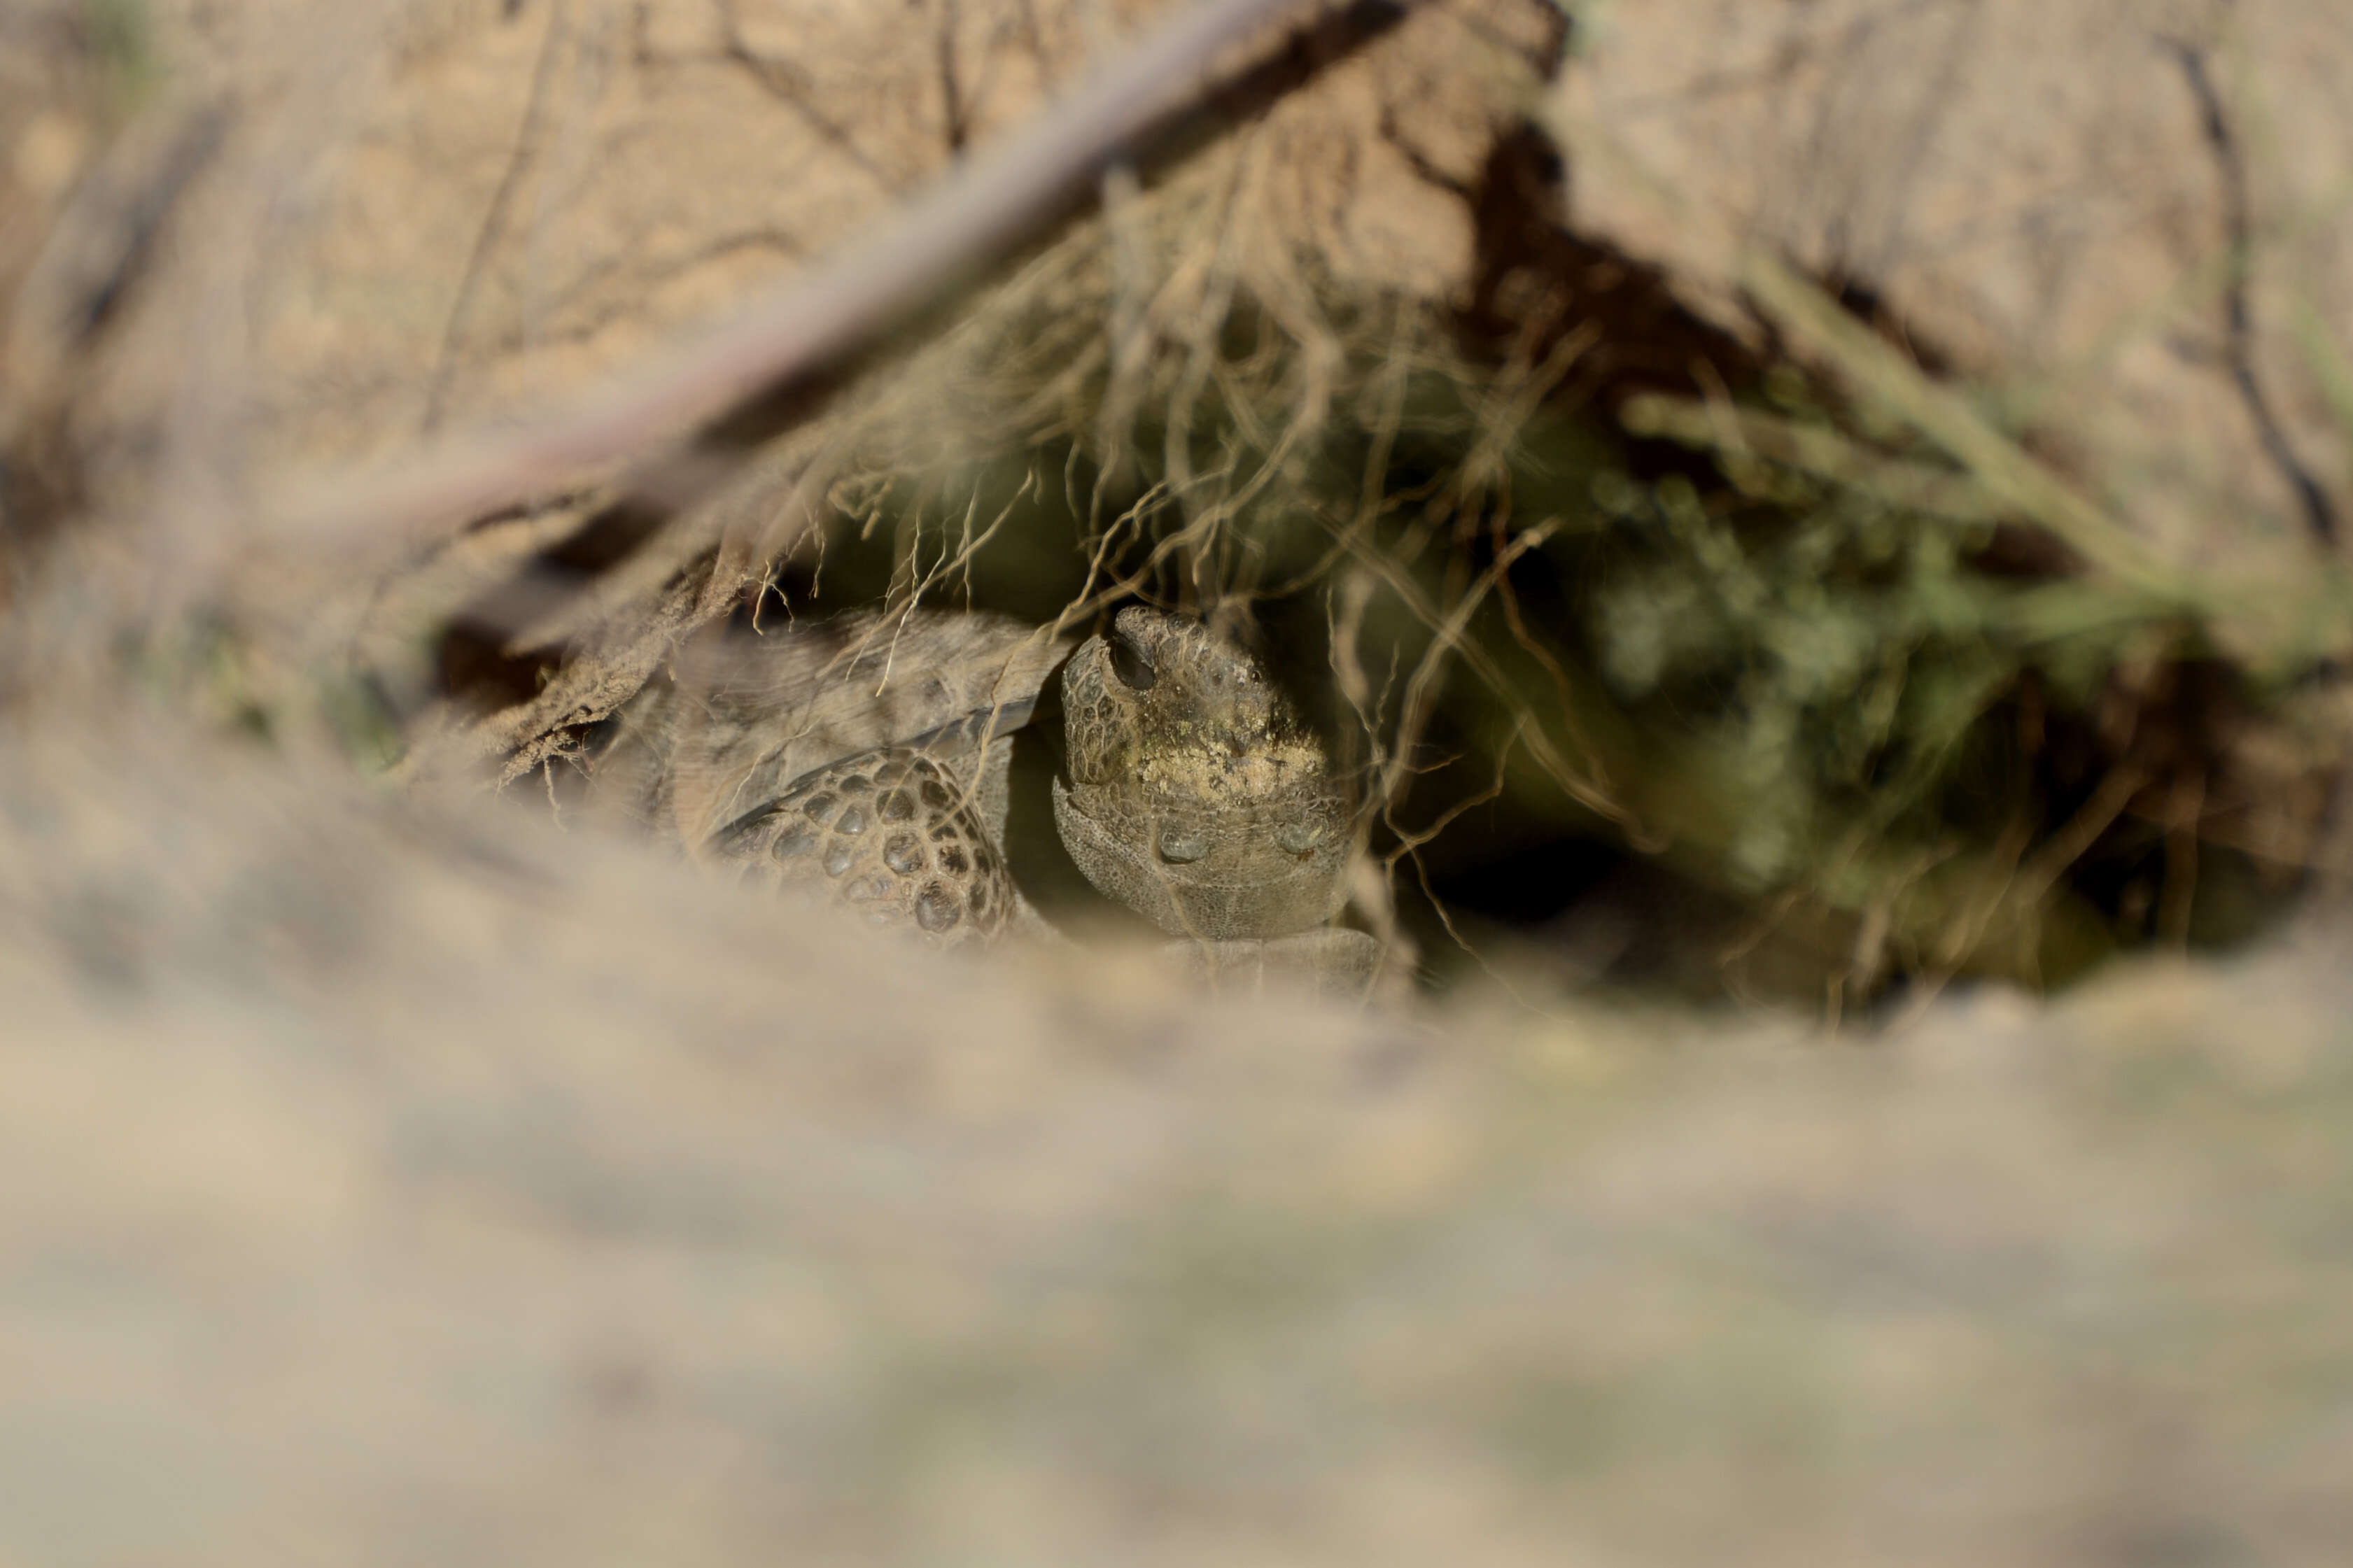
(889,834)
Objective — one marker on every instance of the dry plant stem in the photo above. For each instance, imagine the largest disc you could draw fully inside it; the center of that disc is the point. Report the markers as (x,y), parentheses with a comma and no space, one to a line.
(2279,621)
(1945,417)
(2273,621)
(977,213)
(1814,450)
(1580,783)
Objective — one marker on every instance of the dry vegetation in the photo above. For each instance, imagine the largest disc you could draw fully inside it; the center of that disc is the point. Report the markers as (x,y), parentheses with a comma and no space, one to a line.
(1815,540)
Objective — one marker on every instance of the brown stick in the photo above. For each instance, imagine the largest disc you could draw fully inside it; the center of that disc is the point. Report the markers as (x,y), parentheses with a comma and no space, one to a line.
(975,213)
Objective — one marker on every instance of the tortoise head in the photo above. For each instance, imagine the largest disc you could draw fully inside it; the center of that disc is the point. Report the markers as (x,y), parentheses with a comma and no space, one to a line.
(1196,796)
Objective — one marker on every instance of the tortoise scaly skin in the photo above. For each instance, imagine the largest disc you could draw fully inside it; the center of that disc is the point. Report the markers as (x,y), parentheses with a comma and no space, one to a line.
(889,834)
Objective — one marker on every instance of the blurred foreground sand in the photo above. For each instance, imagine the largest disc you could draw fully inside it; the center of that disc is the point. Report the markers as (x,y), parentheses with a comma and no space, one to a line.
(370,1198)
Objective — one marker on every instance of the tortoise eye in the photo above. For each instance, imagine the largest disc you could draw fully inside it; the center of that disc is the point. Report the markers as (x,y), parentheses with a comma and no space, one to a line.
(1300,837)
(1127,662)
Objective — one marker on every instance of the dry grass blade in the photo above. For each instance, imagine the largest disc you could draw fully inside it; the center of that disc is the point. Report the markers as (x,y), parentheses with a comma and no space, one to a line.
(1945,417)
